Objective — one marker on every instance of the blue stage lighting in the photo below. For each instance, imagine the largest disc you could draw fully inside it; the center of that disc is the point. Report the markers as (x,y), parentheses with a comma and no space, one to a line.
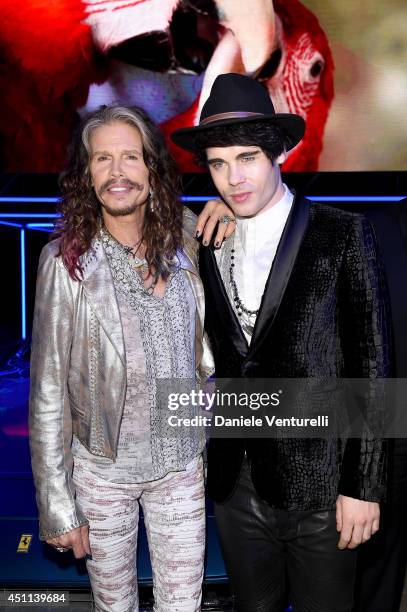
(25,217)
(356,198)
(55,200)
(29,199)
(11,224)
(38,225)
(41,227)
(28,215)
(315,198)
(23,280)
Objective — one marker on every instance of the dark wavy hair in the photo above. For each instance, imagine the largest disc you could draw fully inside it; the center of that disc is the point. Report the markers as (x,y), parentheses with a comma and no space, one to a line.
(81,210)
(270,137)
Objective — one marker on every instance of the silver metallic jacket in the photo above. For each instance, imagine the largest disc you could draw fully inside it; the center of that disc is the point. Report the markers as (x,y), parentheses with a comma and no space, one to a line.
(78,372)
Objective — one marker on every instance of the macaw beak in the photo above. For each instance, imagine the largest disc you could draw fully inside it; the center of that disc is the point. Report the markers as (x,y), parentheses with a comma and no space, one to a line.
(253,24)
(118,20)
(247,43)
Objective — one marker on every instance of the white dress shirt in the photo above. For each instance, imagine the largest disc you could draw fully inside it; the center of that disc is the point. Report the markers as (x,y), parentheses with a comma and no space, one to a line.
(255,242)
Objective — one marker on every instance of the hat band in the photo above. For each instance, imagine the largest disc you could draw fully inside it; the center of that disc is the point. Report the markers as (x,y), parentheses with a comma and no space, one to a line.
(235,115)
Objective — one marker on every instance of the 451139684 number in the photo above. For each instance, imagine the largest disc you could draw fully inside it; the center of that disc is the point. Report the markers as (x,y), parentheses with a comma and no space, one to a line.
(35,599)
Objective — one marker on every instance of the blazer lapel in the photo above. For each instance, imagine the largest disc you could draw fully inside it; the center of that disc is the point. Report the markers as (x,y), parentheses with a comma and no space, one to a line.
(281,269)
(224,308)
(99,289)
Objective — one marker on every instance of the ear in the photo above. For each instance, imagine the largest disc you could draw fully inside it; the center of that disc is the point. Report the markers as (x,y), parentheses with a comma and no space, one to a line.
(281,158)
(89,178)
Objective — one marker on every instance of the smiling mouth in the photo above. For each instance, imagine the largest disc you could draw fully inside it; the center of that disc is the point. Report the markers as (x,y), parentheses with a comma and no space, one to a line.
(119,189)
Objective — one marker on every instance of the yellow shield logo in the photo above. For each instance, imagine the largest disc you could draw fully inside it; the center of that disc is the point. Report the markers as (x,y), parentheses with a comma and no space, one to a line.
(24,544)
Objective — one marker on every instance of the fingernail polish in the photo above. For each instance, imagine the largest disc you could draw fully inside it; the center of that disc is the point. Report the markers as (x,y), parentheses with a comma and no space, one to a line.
(198,233)
(217,244)
(205,243)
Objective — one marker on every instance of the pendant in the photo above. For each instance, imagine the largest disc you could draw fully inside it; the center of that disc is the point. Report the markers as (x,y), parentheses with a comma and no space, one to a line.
(139,263)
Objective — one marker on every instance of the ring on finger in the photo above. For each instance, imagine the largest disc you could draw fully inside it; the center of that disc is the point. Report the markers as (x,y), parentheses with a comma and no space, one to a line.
(61,549)
(226,219)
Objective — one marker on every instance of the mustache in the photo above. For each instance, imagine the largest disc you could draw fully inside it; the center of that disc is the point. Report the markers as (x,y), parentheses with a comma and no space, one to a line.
(122,183)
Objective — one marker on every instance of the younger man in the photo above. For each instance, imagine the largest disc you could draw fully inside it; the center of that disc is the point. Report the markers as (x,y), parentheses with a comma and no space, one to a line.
(297,292)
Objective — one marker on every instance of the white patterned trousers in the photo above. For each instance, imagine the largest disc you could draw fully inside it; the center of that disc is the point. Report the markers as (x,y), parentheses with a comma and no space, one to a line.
(174,516)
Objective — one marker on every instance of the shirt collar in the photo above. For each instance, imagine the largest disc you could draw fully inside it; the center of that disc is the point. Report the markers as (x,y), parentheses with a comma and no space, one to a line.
(266,227)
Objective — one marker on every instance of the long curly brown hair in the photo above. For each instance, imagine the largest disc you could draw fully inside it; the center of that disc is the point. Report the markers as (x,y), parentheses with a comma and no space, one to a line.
(81,215)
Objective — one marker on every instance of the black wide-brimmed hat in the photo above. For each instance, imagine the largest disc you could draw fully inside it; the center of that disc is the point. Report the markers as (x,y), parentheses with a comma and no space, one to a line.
(236,98)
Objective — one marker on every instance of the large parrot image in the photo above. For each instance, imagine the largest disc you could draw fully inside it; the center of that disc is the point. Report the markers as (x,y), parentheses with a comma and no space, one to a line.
(65,56)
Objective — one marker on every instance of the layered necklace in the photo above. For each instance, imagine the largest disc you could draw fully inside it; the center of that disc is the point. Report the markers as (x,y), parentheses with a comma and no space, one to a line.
(240,307)
(139,263)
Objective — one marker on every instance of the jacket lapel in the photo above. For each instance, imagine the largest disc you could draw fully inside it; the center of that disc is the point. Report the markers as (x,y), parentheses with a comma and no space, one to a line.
(188,261)
(99,290)
(224,308)
(203,354)
(281,269)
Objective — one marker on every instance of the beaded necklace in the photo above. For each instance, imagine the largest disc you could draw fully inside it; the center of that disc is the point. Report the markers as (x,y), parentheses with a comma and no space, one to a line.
(240,307)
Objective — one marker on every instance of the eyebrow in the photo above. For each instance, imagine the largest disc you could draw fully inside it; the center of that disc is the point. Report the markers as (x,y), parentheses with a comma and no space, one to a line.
(125,152)
(213,160)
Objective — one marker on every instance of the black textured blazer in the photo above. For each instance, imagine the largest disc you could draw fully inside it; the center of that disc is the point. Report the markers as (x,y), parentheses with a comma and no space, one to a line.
(324,313)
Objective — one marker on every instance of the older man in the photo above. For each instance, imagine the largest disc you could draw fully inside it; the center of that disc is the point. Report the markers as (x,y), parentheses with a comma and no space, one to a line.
(119,306)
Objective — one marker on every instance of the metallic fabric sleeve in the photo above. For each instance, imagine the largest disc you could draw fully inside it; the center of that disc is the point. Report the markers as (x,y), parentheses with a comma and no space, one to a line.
(189,220)
(367,349)
(205,361)
(50,417)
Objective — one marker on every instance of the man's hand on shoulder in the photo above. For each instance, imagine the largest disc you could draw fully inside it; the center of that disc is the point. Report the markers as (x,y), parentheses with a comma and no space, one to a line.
(356,520)
(216,212)
(76,540)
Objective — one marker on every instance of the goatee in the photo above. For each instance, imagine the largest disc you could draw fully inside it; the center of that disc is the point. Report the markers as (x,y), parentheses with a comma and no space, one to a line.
(121,212)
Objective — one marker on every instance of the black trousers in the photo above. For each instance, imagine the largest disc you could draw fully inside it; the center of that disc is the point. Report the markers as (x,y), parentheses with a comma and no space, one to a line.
(381,564)
(269,553)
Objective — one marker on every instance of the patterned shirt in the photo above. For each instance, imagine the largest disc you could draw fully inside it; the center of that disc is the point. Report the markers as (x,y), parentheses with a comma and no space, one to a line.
(159,338)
